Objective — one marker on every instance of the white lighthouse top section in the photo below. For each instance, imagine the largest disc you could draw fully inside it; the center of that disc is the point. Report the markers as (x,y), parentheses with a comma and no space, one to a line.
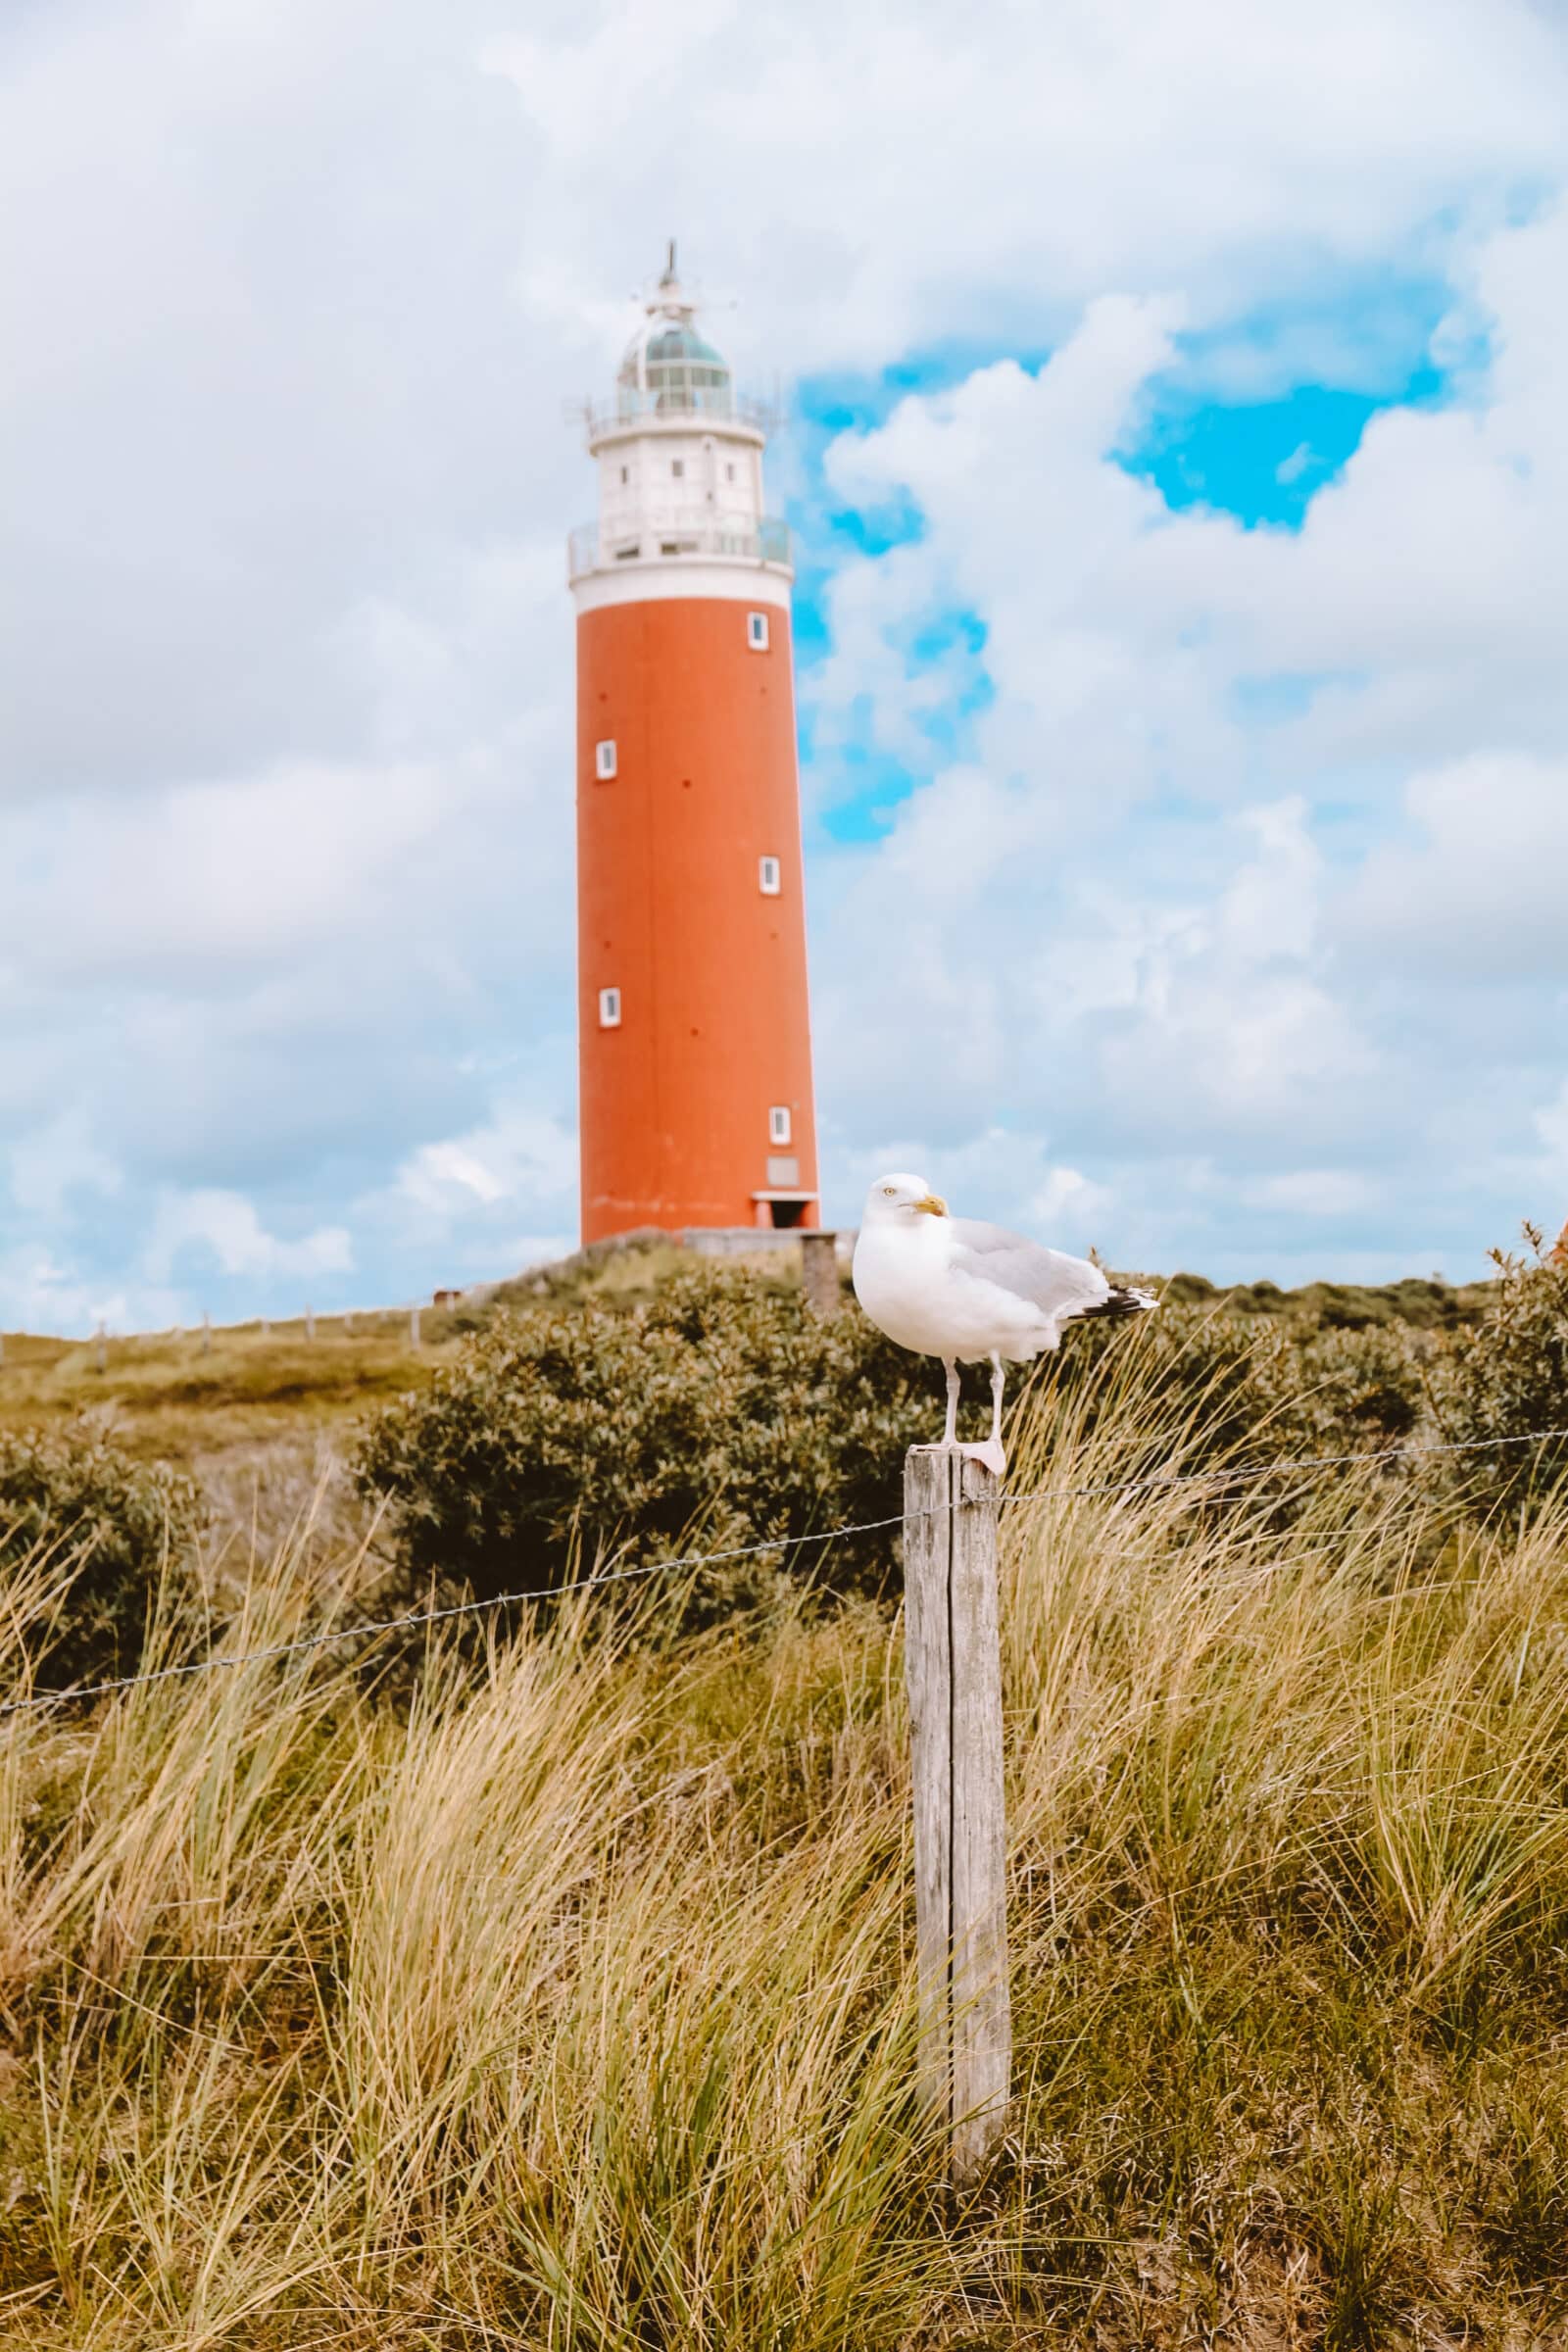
(679,454)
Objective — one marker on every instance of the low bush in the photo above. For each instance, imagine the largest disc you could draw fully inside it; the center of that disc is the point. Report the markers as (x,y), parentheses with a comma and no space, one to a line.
(572,2004)
(92,1532)
(1342,1383)
(1247,1391)
(1497,1385)
(714,1414)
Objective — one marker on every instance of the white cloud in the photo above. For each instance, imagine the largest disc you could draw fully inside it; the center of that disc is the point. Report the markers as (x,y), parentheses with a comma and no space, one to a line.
(225,1228)
(1070,1205)
(436,1170)
(454,1210)
(1553,1124)
(1244,992)
(41,1294)
(1314,1193)
(516,1152)
(56,1160)
(897,182)
(1476,894)
(285,800)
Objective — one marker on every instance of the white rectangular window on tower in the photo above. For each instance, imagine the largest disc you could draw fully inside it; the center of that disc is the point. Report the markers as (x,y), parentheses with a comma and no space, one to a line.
(778,1124)
(767,877)
(603,760)
(756,631)
(609,1008)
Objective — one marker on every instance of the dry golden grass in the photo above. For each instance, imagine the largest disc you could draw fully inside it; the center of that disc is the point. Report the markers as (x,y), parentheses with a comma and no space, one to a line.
(167,1396)
(264,1420)
(569,2005)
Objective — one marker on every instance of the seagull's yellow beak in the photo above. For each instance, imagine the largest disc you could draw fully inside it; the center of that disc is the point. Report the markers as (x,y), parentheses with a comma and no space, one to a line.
(932,1206)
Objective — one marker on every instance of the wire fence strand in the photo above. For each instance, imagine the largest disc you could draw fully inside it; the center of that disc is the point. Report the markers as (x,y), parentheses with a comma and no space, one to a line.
(411,1619)
(1321,1461)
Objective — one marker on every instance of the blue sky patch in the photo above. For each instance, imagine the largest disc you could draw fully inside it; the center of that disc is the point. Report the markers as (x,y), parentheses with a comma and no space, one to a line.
(852,402)
(1264,461)
(1198,442)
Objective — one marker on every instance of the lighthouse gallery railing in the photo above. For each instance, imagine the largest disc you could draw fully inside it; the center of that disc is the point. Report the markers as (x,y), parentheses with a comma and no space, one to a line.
(588,549)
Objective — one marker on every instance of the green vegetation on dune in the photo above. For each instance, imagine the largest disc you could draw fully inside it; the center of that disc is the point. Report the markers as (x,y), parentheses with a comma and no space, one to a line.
(711,1413)
(166,1395)
(558,1994)
(88,1539)
(697,1404)
(1424,1305)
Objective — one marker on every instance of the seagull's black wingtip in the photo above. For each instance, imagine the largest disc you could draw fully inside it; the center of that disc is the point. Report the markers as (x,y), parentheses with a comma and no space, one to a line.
(1124,1299)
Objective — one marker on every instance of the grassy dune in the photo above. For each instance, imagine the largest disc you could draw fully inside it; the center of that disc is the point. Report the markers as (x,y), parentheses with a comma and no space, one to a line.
(569,2006)
(262,1419)
(168,1396)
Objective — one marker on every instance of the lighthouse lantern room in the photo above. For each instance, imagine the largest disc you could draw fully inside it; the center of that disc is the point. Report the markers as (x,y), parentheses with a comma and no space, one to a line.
(693,1020)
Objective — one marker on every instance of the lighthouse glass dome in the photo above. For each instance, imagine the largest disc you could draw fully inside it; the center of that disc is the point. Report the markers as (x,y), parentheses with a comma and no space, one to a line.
(672,367)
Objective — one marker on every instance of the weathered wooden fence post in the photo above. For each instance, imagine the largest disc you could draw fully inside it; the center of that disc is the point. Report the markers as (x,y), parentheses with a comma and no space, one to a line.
(101,1351)
(414,1327)
(819,1273)
(952,1664)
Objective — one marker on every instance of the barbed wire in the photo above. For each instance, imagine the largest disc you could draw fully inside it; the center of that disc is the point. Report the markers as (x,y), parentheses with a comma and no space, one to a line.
(409,1619)
(1322,1461)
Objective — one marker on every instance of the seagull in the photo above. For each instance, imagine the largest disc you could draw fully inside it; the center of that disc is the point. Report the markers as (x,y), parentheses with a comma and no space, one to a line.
(962,1290)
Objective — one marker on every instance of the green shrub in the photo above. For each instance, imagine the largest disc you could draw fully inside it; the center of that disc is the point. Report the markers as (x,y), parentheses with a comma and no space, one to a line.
(714,1413)
(1251,1390)
(105,1528)
(1340,1390)
(1422,1304)
(1508,1378)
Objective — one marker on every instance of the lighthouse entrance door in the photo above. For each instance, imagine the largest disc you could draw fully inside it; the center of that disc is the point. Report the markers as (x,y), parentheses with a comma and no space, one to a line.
(782,1212)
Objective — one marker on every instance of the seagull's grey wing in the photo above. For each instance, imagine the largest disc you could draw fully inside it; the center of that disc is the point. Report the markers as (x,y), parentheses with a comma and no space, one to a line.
(1058,1285)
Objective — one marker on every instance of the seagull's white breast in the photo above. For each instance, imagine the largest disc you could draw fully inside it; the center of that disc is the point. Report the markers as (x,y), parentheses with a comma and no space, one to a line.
(906,1283)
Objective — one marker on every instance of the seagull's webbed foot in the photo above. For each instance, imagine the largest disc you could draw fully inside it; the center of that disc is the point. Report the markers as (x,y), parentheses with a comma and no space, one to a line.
(993,1452)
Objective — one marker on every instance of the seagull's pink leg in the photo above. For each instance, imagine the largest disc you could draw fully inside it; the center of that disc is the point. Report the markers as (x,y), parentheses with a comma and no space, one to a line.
(993,1453)
(949,1435)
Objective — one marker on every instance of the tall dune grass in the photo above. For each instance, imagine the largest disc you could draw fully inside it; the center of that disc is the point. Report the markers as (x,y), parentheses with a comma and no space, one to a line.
(566,2002)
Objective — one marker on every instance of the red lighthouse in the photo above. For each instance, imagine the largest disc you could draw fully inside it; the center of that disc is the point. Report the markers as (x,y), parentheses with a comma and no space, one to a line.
(694,1027)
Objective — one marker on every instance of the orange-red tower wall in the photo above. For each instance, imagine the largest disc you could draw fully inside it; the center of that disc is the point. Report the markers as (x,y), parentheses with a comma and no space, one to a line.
(714,1025)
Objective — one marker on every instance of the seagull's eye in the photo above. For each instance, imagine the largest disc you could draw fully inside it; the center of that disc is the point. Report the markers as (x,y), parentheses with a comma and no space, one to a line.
(888,1189)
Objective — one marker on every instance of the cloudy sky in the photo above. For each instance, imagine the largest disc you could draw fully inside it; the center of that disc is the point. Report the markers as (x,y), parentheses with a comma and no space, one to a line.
(1178,459)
